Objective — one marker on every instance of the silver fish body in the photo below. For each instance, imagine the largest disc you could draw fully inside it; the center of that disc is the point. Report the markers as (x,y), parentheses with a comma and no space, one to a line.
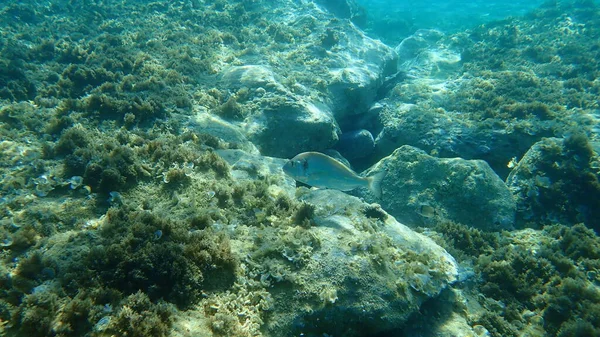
(319,170)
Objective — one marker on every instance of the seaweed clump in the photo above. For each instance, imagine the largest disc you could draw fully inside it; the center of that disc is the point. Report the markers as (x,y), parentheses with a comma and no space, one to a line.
(140,251)
(106,165)
(113,162)
(529,281)
(136,270)
(140,317)
(14,83)
(375,211)
(464,241)
(304,214)
(552,274)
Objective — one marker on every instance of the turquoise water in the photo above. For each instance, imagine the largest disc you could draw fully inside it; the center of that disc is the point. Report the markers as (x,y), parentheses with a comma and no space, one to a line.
(392,19)
(142,146)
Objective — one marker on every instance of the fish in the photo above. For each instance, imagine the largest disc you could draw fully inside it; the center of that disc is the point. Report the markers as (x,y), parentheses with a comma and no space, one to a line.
(319,170)
(427,211)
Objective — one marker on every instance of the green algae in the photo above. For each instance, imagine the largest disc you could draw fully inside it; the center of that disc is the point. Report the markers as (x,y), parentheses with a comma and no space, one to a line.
(304,214)
(175,266)
(531,281)
(515,81)
(115,256)
(464,242)
(123,258)
(170,182)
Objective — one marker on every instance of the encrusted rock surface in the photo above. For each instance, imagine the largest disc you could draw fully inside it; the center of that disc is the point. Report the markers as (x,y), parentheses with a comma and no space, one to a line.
(418,186)
(356,144)
(295,102)
(350,262)
(557,181)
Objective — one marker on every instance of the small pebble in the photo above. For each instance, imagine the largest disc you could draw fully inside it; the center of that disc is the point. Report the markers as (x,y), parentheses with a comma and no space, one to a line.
(6,242)
(115,198)
(102,323)
(75,182)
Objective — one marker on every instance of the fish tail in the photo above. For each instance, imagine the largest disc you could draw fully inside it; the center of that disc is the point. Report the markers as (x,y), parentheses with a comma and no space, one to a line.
(375,183)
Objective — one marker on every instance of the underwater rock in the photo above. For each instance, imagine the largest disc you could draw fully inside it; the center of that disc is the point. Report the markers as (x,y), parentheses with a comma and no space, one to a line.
(429,65)
(287,127)
(556,181)
(418,187)
(478,95)
(296,102)
(246,165)
(413,45)
(346,9)
(448,111)
(449,315)
(340,259)
(357,71)
(222,129)
(356,144)
(451,134)
(405,124)
(422,55)
(251,77)
(280,123)
(366,271)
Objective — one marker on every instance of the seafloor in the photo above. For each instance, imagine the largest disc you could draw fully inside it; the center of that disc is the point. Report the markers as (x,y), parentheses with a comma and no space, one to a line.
(142,192)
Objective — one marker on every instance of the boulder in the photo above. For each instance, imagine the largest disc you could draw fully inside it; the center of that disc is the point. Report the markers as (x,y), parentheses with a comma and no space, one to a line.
(370,273)
(250,77)
(357,70)
(292,102)
(286,127)
(408,124)
(418,187)
(451,106)
(280,123)
(356,144)
(215,126)
(346,9)
(451,134)
(424,54)
(557,181)
(348,262)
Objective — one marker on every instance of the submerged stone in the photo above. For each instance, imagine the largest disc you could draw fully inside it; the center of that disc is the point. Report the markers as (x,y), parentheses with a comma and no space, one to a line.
(555,182)
(371,274)
(464,191)
(103,323)
(356,144)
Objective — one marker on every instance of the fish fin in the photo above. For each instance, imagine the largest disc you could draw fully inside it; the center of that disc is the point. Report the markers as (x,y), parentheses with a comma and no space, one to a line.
(375,183)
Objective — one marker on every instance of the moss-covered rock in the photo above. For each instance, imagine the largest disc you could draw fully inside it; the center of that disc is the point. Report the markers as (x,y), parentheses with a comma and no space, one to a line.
(463,242)
(134,265)
(554,181)
(14,82)
(418,187)
(514,85)
(140,317)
